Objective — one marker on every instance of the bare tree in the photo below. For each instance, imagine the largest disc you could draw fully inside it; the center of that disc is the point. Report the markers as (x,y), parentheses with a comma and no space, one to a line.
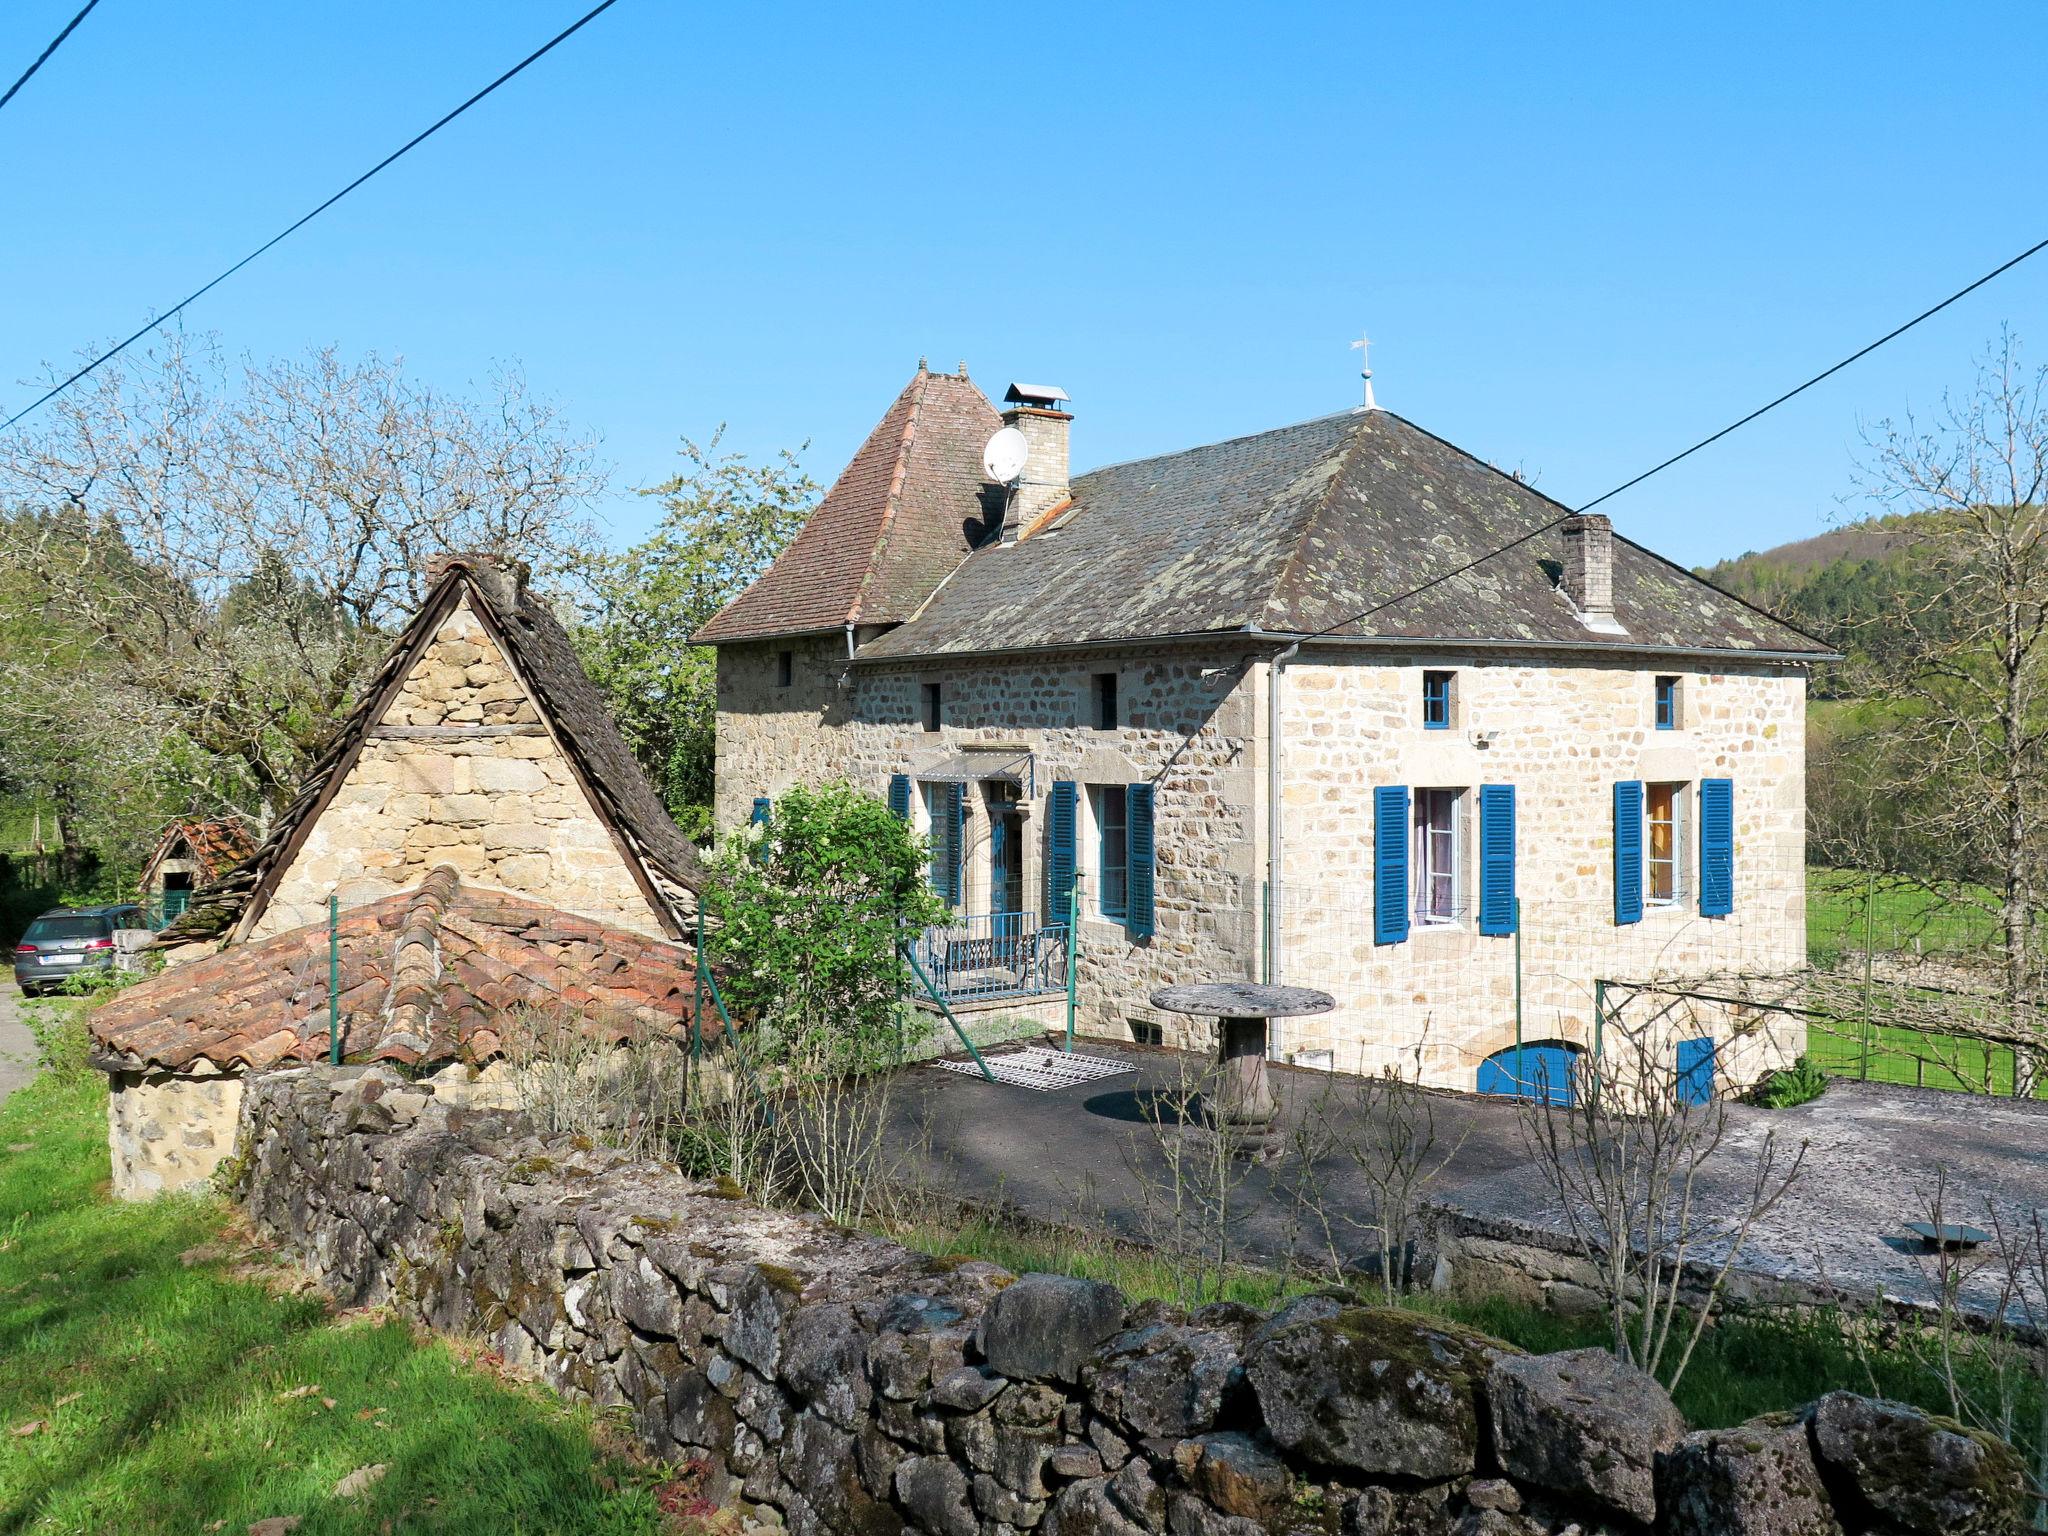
(1625,1147)
(236,541)
(1961,763)
(1376,1132)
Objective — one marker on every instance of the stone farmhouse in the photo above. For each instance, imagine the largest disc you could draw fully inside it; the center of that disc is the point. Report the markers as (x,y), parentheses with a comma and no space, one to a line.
(1337,704)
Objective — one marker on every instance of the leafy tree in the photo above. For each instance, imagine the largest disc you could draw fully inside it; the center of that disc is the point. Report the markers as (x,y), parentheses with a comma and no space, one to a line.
(235,542)
(724,518)
(805,912)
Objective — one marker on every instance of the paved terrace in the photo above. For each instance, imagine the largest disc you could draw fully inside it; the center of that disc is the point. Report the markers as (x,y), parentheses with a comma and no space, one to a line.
(1875,1152)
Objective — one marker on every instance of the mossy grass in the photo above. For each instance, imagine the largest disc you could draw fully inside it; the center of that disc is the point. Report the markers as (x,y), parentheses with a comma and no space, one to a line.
(173,1397)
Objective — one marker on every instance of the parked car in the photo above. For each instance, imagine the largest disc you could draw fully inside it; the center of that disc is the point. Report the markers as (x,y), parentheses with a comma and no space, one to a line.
(60,944)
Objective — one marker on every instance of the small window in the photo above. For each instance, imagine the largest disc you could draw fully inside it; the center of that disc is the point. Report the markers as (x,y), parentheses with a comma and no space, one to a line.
(1112,847)
(1663,844)
(932,707)
(1667,703)
(1433,858)
(1102,701)
(1436,701)
(785,668)
(1146,1032)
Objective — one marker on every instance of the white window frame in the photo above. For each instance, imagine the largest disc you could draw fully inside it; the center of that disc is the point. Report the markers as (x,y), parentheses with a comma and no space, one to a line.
(1681,824)
(1422,867)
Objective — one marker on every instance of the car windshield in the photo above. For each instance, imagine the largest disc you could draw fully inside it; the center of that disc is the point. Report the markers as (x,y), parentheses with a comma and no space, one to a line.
(52,930)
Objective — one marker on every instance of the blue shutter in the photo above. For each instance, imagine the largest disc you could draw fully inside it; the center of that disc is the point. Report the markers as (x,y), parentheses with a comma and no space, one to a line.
(952,818)
(1390,864)
(1140,857)
(759,816)
(1628,851)
(899,796)
(1695,1072)
(1059,851)
(1717,847)
(1497,858)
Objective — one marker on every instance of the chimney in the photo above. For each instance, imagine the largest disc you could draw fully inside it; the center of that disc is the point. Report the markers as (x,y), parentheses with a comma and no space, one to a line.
(1589,571)
(1039,412)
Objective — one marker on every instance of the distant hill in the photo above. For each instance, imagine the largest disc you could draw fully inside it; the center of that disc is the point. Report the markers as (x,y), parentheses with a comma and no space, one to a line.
(1833,585)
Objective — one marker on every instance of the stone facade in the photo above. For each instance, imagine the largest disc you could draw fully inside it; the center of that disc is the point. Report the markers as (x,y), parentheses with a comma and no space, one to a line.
(1192,721)
(461,770)
(824,1381)
(169,1131)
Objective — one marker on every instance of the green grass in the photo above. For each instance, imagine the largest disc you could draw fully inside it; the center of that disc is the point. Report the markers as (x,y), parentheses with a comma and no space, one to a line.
(1745,1365)
(165,1390)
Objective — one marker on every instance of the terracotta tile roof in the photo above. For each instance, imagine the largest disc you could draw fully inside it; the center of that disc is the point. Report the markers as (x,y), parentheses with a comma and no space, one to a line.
(667,863)
(432,975)
(217,845)
(897,522)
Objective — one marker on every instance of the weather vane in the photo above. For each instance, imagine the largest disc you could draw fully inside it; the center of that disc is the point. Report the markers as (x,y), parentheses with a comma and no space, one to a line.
(1361,347)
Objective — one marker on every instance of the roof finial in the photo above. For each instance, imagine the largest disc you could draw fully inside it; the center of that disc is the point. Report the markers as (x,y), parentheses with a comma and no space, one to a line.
(1361,347)
(921,362)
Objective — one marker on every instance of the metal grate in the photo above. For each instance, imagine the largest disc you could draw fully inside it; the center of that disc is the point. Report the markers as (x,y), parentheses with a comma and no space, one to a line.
(1041,1070)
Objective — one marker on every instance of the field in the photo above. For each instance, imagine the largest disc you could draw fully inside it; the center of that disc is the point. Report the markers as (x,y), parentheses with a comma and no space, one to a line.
(1847,908)
(157,1375)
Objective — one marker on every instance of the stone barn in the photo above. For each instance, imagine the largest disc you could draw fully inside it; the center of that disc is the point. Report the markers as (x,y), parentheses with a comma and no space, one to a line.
(489,848)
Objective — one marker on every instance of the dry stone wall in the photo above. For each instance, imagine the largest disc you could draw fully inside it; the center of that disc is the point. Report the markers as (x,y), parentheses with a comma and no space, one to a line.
(829,1382)
(482,785)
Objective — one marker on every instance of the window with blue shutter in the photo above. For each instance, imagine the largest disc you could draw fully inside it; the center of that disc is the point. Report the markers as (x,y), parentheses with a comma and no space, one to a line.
(1390,864)
(1717,847)
(1497,858)
(762,806)
(899,796)
(1059,850)
(1628,851)
(1138,904)
(949,842)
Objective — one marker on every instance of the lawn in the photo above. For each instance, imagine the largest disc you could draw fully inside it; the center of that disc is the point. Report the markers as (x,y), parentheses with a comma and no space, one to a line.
(143,1393)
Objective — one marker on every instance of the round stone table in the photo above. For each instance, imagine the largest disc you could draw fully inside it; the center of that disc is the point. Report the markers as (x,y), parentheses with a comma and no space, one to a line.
(1241,1009)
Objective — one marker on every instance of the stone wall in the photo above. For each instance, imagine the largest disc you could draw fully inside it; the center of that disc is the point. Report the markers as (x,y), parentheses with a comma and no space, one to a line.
(169,1131)
(830,1382)
(1192,720)
(481,785)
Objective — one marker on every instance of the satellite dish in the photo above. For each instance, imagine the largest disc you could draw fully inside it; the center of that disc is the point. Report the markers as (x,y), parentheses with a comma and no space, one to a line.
(1004,458)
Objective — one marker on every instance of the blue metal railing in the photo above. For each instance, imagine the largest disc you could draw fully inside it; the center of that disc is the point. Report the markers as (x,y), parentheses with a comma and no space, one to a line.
(994,954)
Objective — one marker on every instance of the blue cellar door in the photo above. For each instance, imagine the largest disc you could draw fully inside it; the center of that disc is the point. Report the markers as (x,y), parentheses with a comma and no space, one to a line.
(1695,1071)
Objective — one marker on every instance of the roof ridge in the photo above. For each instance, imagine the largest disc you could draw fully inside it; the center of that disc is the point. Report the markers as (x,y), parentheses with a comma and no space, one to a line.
(1225,442)
(894,500)
(416,961)
(1309,523)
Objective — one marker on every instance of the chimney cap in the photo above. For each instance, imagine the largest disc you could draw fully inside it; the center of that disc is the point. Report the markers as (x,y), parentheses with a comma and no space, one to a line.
(1044,397)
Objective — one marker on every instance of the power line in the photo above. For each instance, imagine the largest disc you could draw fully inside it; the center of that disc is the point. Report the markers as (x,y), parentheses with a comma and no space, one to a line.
(43,57)
(1826,373)
(300,223)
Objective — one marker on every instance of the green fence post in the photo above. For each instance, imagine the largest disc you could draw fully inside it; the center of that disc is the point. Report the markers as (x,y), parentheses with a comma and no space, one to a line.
(334,979)
(1073,953)
(1869,1028)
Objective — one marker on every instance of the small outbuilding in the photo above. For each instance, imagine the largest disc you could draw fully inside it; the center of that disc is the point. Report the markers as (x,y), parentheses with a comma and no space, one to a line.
(191,853)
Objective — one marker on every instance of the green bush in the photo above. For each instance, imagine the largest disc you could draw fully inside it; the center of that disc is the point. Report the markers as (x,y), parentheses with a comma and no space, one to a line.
(1789,1087)
(57,1025)
(806,912)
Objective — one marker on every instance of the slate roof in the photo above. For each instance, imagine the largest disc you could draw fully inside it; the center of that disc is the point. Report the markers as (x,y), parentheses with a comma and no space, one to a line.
(432,975)
(667,863)
(896,523)
(1297,529)
(217,845)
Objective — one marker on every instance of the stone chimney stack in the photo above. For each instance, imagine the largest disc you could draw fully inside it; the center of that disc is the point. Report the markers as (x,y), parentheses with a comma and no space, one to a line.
(1589,571)
(1040,412)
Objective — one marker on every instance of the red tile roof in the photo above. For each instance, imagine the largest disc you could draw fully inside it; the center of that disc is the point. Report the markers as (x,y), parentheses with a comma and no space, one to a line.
(437,974)
(217,845)
(898,522)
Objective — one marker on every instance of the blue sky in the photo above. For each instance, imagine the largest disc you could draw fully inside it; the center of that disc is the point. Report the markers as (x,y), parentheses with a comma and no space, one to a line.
(1580,236)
